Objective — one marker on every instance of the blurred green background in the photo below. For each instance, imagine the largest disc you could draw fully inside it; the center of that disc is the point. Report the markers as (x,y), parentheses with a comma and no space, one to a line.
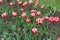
(53,3)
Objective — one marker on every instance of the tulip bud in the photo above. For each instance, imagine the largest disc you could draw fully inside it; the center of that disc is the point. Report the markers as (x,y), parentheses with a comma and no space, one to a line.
(25,4)
(24,15)
(14,14)
(35,31)
(4,15)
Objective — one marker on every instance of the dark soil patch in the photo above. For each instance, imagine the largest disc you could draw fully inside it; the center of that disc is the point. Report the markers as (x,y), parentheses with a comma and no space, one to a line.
(57,14)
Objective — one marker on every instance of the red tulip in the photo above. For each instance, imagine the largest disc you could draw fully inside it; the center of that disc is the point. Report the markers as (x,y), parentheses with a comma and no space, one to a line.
(58,39)
(30,1)
(22,10)
(56,19)
(1,1)
(11,4)
(39,21)
(33,15)
(24,15)
(28,20)
(25,4)
(51,19)
(36,4)
(35,31)
(33,11)
(38,13)
(4,15)
(20,3)
(42,7)
(46,18)
(42,19)
(14,14)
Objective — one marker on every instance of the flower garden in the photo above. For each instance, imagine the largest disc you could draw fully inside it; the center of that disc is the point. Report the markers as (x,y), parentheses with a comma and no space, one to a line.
(28,20)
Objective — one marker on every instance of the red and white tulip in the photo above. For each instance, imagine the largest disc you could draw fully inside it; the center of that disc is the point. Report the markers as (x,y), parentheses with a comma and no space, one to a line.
(4,15)
(14,14)
(35,31)
(25,4)
(24,15)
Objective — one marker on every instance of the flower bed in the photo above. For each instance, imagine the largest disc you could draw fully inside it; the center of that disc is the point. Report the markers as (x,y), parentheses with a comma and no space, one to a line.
(26,20)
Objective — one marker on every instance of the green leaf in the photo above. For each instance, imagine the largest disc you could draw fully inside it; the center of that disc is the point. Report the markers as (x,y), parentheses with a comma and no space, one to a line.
(8,38)
(13,28)
(17,36)
(1,24)
(5,34)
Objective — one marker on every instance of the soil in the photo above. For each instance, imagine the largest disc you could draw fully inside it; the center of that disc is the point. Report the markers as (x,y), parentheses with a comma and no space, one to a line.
(58,14)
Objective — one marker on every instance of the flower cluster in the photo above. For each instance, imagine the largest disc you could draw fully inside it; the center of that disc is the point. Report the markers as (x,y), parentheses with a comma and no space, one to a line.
(33,14)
